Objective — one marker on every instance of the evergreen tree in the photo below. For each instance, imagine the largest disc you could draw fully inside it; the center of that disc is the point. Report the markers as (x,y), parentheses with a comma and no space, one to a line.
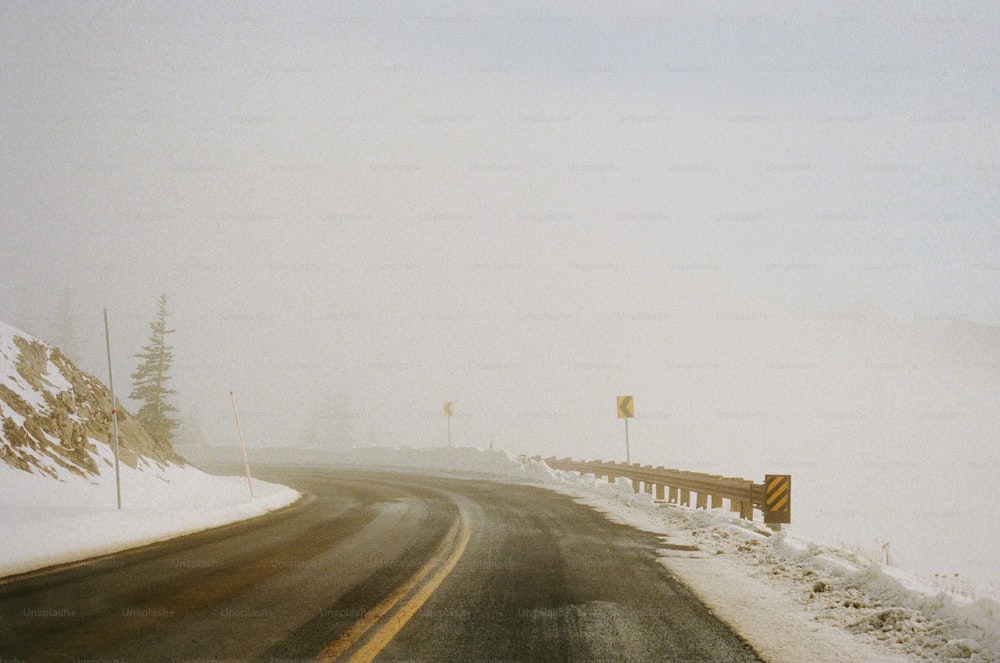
(149,382)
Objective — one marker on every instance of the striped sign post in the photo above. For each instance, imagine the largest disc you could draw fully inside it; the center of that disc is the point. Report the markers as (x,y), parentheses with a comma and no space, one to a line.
(777,499)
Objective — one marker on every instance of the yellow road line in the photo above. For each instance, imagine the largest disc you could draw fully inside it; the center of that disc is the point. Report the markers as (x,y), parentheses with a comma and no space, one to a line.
(422,585)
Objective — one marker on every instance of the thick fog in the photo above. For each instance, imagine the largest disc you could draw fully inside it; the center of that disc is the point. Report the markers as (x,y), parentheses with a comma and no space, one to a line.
(361,211)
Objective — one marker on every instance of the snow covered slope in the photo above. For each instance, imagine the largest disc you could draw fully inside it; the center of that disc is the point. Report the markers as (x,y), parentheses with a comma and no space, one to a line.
(57,419)
(58,502)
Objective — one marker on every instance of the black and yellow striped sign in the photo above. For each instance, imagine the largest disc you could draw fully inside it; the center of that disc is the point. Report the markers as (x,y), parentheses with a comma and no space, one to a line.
(777,498)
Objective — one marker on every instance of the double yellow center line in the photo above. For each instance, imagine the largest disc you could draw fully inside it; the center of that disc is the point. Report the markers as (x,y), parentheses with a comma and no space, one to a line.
(368,636)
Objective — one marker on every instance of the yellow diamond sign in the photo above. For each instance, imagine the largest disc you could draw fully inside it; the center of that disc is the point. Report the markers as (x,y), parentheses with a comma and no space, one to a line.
(449,408)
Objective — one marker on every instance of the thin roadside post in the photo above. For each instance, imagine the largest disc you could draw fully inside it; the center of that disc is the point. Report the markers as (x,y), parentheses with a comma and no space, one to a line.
(628,453)
(449,411)
(243,444)
(114,409)
(626,410)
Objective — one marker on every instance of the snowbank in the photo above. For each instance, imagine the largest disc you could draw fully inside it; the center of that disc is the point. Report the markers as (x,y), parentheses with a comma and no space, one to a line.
(47,521)
(794,599)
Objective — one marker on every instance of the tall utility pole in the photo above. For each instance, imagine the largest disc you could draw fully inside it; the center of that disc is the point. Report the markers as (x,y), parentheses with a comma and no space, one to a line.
(114,408)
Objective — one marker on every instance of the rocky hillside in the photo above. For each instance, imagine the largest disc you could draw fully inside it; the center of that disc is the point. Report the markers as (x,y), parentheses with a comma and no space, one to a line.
(57,419)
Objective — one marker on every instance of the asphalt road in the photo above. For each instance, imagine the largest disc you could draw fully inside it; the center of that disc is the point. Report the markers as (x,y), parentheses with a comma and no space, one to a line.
(375,565)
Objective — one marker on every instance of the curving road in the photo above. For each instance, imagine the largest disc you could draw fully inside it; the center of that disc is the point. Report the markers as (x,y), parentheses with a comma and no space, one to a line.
(375,566)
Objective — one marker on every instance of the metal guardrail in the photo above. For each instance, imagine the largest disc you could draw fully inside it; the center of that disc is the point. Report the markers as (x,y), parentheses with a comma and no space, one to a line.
(676,487)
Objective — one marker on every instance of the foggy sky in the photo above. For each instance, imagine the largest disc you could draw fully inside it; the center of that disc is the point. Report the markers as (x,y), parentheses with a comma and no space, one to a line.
(519,209)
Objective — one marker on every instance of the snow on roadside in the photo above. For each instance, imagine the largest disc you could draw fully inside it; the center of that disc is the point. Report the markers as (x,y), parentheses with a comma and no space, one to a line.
(47,522)
(795,600)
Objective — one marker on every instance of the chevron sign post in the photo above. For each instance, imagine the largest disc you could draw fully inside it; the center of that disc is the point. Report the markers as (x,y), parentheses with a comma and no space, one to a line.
(449,412)
(626,410)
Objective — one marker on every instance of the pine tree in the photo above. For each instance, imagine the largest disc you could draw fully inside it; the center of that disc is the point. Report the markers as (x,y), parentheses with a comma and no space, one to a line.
(149,382)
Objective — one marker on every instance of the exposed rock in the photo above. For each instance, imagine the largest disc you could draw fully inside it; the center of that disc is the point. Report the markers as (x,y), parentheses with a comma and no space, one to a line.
(32,361)
(14,402)
(56,416)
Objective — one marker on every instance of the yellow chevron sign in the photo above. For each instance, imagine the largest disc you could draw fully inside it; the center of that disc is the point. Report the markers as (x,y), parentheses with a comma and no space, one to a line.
(449,408)
(778,498)
(626,407)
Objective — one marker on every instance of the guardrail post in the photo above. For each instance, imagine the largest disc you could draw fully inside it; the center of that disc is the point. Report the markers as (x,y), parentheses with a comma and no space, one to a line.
(746,507)
(612,473)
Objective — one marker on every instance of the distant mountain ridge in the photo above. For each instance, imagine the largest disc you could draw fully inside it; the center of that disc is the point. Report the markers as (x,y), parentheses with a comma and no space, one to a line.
(57,418)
